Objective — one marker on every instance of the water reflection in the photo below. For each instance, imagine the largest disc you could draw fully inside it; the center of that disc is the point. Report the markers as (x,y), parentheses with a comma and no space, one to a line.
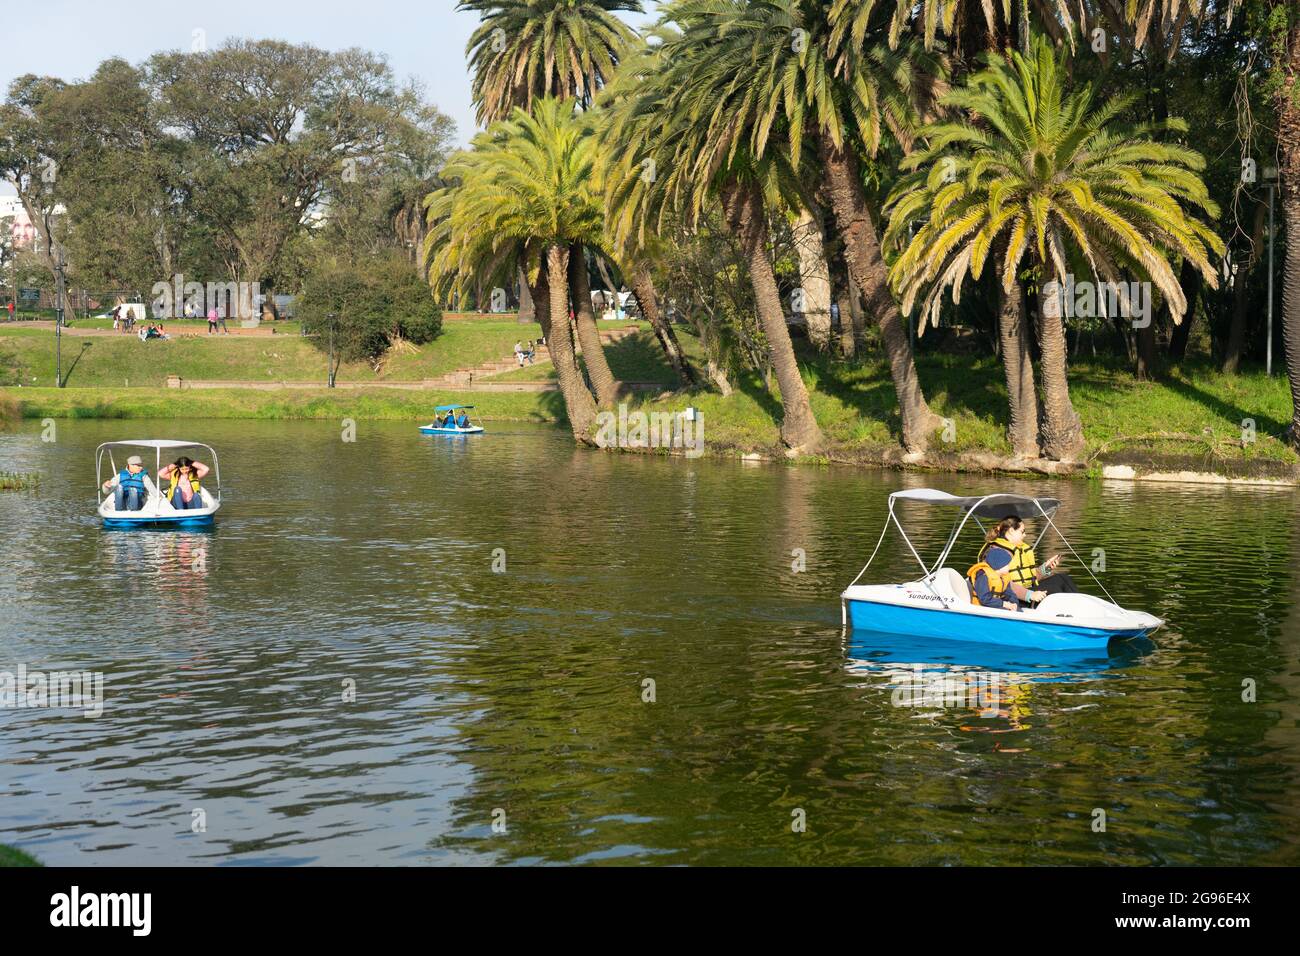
(227,656)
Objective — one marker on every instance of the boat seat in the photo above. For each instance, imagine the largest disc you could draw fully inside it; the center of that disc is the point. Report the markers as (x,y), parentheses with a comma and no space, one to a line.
(950,583)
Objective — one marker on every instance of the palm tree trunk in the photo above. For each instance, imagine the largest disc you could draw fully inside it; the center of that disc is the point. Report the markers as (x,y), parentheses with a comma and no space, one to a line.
(1145,369)
(593,354)
(1013,342)
(527,311)
(1237,330)
(559,339)
(1190,279)
(1062,427)
(643,287)
(867,269)
(814,279)
(1288,138)
(743,205)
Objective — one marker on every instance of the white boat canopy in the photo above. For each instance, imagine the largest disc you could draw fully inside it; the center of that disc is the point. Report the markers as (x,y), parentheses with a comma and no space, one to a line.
(983,506)
(994,507)
(158,445)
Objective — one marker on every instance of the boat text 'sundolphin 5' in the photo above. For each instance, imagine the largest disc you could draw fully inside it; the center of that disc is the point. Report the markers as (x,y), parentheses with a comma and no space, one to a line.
(939,605)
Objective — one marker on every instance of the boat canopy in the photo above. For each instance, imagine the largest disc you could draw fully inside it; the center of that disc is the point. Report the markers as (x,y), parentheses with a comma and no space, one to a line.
(983,506)
(993,507)
(450,408)
(156,443)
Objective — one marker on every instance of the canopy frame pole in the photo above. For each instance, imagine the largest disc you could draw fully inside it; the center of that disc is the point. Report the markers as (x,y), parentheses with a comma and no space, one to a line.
(1087,566)
(877,548)
(948,546)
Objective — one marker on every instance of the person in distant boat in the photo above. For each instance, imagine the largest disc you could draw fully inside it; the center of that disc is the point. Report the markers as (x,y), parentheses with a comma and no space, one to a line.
(1005,551)
(130,483)
(183,476)
(463,421)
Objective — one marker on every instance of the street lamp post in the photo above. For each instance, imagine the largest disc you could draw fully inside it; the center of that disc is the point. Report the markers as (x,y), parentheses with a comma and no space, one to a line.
(330,378)
(59,290)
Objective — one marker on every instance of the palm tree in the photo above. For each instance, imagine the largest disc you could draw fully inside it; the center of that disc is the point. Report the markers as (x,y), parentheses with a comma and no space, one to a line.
(524,50)
(844,98)
(677,153)
(1286,57)
(1043,176)
(524,193)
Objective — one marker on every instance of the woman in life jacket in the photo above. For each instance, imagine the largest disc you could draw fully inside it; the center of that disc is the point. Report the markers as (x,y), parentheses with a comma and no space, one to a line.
(1025,582)
(182,476)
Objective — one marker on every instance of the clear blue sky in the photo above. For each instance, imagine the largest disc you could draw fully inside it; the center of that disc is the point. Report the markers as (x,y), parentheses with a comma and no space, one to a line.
(421,38)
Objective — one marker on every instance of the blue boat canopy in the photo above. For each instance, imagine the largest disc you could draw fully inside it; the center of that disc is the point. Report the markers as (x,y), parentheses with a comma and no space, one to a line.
(450,408)
(983,506)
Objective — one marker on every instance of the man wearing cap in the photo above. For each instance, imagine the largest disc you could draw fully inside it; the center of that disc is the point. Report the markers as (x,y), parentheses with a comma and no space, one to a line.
(130,482)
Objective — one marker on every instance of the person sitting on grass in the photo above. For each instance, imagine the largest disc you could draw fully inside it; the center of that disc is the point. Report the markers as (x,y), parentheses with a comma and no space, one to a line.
(132,485)
(183,475)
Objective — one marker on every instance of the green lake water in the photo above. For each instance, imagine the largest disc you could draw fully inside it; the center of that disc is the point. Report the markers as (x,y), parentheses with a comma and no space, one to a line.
(336,674)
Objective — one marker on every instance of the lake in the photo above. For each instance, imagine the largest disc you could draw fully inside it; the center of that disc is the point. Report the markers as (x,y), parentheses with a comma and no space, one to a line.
(654,673)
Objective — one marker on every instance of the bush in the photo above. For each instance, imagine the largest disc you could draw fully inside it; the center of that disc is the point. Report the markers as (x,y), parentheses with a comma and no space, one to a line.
(376,302)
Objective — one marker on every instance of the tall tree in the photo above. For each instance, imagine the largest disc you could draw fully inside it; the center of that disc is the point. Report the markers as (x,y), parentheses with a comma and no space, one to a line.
(682,140)
(523,196)
(1050,175)
(525,50)
(268,126)
(1284,38)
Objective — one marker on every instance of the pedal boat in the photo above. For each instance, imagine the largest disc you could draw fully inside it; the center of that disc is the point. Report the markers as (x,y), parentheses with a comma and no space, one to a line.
(157,511)
(434,429)
(938,604)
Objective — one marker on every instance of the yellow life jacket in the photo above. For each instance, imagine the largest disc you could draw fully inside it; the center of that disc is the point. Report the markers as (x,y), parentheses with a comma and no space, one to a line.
(1023,567)
(998,581)
(176,480)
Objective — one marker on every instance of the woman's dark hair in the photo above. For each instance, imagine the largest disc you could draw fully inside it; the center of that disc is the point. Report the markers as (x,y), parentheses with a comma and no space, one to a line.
(1000,529)
(183,462)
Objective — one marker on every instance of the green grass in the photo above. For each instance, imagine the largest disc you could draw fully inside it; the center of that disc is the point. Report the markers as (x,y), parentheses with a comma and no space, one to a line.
(636,358)
(1198,409)
(322,403)
(1191,412)
(27,356)
(13,857)
(17,481)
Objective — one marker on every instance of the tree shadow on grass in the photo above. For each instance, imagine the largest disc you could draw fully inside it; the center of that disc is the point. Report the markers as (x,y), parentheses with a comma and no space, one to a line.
(68,374)
(1227,410)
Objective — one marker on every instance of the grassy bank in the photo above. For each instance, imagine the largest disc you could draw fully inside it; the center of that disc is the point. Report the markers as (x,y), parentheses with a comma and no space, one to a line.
(1193,415)
(27,357)
(298,403)
(13,857)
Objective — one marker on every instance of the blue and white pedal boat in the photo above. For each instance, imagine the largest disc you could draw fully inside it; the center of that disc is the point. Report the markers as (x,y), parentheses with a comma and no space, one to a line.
(938,604)
(157,511)
(435,429)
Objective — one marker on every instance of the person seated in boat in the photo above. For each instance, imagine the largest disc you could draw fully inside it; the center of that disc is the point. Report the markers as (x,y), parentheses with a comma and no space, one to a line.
(130,483)
(447,421)
(1005,550)
(183,489)
(463,421)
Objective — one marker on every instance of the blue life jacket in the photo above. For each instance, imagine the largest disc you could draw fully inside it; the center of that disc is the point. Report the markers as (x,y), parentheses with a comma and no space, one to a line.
(462,422)
(127,480)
